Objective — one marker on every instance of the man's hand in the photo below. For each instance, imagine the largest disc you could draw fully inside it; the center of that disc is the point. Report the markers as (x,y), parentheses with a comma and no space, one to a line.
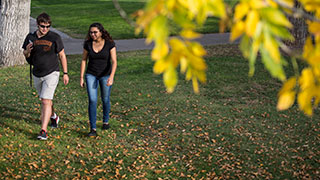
(65,79)
(28,50)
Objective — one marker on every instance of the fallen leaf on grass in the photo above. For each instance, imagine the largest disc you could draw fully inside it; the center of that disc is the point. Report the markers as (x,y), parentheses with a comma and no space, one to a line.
(158,171)
(34,164)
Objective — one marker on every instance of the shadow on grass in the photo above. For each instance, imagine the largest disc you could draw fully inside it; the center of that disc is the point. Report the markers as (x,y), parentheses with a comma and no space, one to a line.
(27,132)
(18,114)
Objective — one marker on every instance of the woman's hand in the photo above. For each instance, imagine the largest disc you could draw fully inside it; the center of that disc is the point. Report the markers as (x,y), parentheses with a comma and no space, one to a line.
(81,82)
(110,81)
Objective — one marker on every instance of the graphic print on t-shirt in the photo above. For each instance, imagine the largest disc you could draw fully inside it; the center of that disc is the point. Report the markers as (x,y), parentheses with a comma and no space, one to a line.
(46,44)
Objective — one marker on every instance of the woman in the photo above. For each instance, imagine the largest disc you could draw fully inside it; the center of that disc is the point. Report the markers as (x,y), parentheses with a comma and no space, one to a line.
(102,65)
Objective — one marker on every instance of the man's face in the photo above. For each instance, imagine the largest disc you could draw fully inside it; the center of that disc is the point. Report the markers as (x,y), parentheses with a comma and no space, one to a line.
(44,28)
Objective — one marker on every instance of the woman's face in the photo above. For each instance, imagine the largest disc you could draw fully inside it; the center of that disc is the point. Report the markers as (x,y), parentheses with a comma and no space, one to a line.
(95,33)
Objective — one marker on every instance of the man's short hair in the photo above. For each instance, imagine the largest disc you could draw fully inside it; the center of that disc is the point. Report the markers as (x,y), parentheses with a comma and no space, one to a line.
(44,18)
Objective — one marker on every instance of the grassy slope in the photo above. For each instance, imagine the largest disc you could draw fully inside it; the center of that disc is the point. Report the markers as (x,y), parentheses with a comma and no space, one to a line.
(231,129)
(74,16)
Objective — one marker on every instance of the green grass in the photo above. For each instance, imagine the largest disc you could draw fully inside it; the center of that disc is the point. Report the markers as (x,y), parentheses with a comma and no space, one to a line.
(74,16)
(230,130)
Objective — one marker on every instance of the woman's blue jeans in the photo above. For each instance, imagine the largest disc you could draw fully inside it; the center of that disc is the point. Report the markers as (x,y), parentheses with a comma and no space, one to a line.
(92,88)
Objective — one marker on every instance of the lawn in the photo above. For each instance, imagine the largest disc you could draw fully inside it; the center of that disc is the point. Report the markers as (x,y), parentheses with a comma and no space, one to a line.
(74,16)
(231,130)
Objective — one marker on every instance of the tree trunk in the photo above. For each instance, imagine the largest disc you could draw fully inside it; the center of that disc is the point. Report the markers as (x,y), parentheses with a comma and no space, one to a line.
(299,30)
(14,26)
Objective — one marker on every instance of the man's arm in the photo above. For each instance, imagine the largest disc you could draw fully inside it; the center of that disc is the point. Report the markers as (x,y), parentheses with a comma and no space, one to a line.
(63,59)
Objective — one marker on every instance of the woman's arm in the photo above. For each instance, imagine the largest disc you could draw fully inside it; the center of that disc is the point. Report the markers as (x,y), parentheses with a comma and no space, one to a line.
(113,53)
(83,66)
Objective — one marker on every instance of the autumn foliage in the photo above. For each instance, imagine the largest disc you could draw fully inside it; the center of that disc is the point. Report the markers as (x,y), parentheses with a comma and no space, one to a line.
(262,26)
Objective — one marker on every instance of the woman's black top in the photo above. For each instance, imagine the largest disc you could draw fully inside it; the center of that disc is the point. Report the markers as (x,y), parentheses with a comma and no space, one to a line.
(99,62)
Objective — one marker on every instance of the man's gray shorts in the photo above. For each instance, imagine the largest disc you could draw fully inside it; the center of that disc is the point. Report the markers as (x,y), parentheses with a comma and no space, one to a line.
(46,85)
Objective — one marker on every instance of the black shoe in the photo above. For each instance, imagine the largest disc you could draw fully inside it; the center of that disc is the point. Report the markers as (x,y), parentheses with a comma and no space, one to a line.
(92,133)
(43,135)
(105,126)
(55,121)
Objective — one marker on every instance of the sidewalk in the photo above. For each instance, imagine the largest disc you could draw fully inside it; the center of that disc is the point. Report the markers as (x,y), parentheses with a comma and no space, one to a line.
(74,46)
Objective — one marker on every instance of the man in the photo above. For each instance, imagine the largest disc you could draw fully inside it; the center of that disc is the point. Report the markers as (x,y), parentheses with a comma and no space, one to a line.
(43,48)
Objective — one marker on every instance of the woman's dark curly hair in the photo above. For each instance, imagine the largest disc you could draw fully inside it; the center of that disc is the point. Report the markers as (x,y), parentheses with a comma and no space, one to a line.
(105,34)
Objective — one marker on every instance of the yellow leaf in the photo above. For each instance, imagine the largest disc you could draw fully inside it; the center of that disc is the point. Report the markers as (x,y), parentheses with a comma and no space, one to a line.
(314,27)
(245,46)
(286,100)
(311,5)
(160,66)
(308,48)
(184,3)
(195,85)
(272,3)
(252,54)
(177,44)
(189,34)
(306,79)
(189,74)
(314,59)
(252,22)
(183,64)
(170,78)
(144,18)
(272,47)
(197,49)
(171,4)
(216,8)
(197,63)
(175,56)
(201,75)
(202,14)
(194,5)
(275,16)
(275,69)
(237,30)
(304,101)
(317,96)
(257,4)
(289,85)
(316,71)
(158,30)
(256,44)
(241,10)
(159,51)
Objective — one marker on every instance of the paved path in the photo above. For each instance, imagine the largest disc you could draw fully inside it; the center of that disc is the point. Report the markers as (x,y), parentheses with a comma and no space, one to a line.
(74,46)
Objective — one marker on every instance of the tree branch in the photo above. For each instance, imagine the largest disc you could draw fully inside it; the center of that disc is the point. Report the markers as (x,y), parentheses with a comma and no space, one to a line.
(298,12)
(123,14)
